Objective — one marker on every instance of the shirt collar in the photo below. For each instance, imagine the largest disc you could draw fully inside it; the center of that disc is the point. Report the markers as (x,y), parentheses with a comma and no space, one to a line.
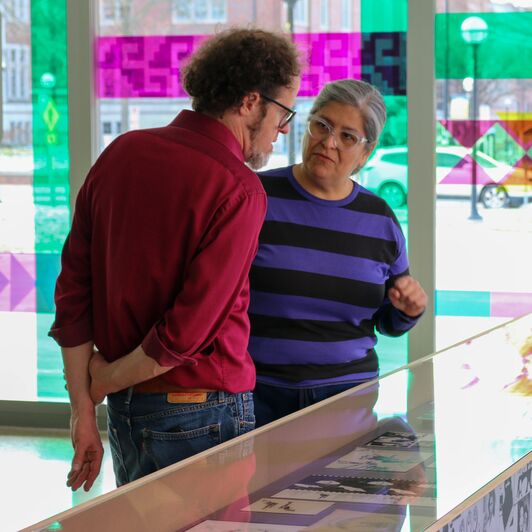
(214,129)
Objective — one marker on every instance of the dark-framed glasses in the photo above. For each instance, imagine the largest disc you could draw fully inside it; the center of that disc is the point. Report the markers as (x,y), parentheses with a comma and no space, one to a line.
(320,129)
(290,113)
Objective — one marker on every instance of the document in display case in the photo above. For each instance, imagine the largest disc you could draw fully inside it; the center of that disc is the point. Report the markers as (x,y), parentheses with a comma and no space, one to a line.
(441,444)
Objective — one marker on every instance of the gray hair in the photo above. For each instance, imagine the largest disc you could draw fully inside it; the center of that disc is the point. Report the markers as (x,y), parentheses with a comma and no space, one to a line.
(361,95)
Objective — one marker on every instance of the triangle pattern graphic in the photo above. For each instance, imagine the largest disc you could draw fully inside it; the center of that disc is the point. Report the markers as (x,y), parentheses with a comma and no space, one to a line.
(4,281)
(461,173)
(521,173)
(520,130)
(22,283)
(464,130)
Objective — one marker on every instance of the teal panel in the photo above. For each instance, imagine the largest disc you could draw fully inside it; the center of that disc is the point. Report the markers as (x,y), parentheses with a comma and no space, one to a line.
(50,181)
(383,15)
(392,352)
(462,303)
(505,53)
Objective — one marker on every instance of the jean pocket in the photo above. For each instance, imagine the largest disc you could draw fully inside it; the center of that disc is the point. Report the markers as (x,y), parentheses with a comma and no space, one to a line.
(246,426)
(119,467)
(166,448)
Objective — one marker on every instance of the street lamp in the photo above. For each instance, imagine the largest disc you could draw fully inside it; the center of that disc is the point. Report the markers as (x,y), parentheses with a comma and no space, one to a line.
(474,31)
(290,4)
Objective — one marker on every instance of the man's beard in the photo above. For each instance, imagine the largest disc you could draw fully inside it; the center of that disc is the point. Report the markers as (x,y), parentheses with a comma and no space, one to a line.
(256,158)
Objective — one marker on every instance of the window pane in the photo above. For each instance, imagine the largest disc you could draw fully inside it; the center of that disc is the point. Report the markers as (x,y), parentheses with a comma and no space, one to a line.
(484,174)
(34,196)
(149,94)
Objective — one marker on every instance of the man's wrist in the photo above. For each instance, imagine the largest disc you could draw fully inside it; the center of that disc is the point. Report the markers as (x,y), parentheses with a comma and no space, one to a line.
(82,407)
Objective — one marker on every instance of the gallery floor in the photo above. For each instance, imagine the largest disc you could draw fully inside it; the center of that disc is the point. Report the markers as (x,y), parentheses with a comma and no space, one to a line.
(34,466)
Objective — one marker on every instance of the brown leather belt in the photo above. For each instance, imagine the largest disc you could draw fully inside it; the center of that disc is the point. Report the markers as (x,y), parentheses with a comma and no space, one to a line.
(158,385)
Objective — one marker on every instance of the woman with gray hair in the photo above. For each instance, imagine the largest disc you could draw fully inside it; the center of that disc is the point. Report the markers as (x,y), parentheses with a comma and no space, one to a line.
(332,264)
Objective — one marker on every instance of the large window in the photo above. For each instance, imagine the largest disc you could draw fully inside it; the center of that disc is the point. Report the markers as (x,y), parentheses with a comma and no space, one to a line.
(135,91)
(34,195)
(484,168)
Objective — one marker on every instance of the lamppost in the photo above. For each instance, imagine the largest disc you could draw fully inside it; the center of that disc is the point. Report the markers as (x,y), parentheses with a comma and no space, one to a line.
(290,4)
(474,31)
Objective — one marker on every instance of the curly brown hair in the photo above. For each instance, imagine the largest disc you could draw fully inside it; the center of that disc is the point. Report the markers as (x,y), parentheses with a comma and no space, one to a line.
(235,63)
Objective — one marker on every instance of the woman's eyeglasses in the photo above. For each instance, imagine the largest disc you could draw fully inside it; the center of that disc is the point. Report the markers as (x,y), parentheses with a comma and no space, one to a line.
(320,129)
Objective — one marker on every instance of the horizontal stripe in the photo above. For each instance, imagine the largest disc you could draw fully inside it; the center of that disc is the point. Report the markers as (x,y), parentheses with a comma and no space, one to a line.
(354,378)
(370,203)
(321,262)
(510,304)
(306,284)
(462,303)
(367,366)
(300,307)
(332,219)
(307,330)
(288,234)
(280,350)
(280,187)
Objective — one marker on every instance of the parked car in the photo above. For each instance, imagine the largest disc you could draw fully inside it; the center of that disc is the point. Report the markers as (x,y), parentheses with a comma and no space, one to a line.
(386,174)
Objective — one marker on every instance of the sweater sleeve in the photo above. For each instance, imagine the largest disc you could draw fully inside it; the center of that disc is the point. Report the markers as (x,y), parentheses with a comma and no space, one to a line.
(216,277)
(389,320)
(73,290)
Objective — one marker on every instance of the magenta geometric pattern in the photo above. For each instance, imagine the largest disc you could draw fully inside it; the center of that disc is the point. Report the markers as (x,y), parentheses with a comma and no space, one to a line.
(468,132)
(142,67)
(461,173)
(17,282)
(328,57)
(148,66)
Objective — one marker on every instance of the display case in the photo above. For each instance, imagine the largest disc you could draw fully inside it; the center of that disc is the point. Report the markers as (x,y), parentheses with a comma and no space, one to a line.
(441,444)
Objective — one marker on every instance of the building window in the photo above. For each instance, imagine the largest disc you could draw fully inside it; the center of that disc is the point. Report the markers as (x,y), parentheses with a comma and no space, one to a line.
(17,72)
(301,13)
(347,14)
(199,11)
(324,14)
(17,10)
(113,11)
(106,126)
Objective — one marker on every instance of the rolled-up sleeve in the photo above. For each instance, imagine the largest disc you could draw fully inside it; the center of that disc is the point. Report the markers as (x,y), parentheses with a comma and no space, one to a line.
(73,293)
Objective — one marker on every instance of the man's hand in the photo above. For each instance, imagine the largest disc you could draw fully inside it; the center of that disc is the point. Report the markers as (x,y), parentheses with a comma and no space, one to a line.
(88,450)
(408,296)
(98,370)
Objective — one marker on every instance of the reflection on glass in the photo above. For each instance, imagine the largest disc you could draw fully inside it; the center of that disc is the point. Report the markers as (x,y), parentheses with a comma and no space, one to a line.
(344,463)
(483,135)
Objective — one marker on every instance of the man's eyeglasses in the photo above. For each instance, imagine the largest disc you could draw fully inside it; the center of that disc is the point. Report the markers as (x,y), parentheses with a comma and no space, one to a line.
(290,113)
(320,129)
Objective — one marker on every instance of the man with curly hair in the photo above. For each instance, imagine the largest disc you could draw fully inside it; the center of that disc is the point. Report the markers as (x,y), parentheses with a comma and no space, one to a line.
(155,268)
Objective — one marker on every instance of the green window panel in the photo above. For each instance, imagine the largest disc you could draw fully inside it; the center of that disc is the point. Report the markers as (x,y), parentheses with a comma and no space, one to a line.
(51,176)
(384,15)
(505,53)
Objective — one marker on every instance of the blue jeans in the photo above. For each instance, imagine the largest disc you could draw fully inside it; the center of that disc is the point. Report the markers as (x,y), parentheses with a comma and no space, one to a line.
(273,402)
(146,433)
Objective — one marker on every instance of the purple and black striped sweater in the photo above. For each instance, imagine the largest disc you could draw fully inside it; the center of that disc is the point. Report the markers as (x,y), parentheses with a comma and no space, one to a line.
(319,283)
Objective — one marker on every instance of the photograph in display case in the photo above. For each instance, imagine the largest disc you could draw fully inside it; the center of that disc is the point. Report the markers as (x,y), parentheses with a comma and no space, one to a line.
(361,489)
(367,459)
(284,506)
(403,440)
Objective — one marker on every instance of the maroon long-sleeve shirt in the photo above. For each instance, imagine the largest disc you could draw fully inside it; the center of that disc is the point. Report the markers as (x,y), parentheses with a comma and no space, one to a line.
(164,231)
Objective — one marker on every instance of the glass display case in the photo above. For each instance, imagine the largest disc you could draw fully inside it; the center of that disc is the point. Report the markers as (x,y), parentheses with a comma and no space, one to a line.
(441,444)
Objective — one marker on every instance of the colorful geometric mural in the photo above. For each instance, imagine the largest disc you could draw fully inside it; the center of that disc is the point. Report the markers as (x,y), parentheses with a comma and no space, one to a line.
(517,139)
(384,61)
(148,66)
